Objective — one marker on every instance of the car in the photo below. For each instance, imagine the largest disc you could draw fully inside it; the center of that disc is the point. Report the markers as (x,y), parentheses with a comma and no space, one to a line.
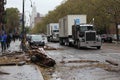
(106,38)
(36,40)
(115,37)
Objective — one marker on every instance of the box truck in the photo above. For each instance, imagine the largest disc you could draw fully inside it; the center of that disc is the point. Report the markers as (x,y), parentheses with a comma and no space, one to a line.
(65,27)
(53,32)
(74,31)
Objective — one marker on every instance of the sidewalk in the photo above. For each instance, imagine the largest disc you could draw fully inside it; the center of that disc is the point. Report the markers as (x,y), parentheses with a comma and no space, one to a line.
(14,46)
(25,72)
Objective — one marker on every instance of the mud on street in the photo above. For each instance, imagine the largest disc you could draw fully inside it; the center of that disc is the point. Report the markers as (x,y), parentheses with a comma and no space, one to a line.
(84,64)
(71,63)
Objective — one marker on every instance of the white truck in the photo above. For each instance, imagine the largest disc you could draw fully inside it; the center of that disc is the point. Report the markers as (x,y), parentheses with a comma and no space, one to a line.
(65,27)
(73,31)
(53,32)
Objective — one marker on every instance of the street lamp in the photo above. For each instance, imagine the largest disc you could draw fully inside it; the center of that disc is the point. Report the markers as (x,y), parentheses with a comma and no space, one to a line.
(23,22)
(23,28)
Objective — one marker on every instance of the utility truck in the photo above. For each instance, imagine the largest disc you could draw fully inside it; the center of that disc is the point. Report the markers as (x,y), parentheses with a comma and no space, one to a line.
(65,28)
(53,32)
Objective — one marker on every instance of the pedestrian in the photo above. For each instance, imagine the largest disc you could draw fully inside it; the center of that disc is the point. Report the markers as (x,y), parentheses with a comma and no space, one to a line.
(8,40)
(3,41)
(14,37)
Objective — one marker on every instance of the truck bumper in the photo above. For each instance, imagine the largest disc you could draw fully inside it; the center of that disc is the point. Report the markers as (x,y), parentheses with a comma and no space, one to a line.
(90,44)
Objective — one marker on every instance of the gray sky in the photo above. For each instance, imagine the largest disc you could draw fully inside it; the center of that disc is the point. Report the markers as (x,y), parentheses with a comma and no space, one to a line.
(43,6)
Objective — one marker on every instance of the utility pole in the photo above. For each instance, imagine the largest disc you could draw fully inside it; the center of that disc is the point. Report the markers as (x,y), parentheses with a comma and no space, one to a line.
(23,22)
(23,17)
(23,41)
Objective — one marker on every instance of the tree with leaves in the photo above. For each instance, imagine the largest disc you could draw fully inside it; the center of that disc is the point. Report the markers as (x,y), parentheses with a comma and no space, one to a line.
(104,13)
(12,19)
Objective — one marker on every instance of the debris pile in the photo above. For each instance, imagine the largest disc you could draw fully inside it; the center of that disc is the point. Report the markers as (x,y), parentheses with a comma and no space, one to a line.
(49,48)
(16,58)
(36,55)
(39,57)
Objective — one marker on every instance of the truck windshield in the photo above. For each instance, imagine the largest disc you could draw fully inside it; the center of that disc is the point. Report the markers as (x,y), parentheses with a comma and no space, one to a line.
(86,28)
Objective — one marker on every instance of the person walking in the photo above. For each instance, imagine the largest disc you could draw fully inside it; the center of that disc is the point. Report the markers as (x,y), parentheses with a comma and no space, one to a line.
(8,41)
(3,41)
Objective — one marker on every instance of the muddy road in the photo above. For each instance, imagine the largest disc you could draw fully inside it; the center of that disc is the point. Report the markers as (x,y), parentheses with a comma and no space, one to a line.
(83,64)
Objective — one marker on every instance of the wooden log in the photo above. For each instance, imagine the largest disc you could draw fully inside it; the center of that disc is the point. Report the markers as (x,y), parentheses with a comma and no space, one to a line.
(39,56)
(112,62)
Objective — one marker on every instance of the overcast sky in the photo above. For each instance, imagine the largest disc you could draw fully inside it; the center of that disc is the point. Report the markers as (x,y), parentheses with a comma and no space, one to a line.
(43,6)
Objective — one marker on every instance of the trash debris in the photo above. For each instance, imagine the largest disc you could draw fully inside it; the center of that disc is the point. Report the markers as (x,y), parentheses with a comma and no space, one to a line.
(13,59)
(80,61)
(39,57)
(4,73)
(112,62)
(49,48)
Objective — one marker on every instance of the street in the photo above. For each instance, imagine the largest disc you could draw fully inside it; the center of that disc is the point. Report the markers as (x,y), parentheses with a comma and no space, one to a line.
(60,40)
(71,64)
(84,64)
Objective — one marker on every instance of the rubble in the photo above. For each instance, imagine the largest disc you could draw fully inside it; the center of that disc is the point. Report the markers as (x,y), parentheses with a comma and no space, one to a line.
(39,57)
(49,48)
(80,61)
(112,62)
(36,55)
(4,73)
(11,59)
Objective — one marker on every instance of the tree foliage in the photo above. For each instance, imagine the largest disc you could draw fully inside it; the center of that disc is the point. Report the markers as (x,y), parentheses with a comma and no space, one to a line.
(12,19)
(104,13)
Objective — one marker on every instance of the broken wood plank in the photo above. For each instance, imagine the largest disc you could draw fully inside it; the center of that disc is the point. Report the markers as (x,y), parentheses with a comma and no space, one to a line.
(112,62)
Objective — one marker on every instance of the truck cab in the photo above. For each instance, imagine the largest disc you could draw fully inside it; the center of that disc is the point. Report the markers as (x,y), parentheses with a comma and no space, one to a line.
(84,35)
(55,35)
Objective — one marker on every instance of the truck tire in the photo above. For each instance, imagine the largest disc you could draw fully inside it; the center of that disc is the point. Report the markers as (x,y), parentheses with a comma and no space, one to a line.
(98,47)
(61,42)
(70,44)
(78,44)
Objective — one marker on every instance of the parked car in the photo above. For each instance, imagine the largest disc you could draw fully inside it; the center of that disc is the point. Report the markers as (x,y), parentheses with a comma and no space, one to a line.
(106,38)
(36,40)
(115,37)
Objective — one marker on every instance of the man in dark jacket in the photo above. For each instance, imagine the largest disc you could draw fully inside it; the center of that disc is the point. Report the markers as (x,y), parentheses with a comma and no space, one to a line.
(8,40)
(3,41)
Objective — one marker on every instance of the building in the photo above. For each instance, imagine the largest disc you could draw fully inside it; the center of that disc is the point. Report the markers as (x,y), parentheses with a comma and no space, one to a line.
(32,17)
(38,18)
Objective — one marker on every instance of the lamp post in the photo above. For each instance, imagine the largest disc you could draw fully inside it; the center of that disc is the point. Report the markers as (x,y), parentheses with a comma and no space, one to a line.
(23,17)
(23,22)
(23,27)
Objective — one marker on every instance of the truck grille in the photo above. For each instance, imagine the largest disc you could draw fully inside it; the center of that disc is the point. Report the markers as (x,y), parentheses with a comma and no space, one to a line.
(90,36)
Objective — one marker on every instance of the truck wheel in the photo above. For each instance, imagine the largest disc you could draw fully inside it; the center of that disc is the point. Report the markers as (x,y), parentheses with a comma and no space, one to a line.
(61,42)
(98,47)
(70,44)
(78,44)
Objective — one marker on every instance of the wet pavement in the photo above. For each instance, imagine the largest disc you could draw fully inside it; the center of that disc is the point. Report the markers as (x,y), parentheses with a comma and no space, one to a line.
(79,64)
(25,72)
